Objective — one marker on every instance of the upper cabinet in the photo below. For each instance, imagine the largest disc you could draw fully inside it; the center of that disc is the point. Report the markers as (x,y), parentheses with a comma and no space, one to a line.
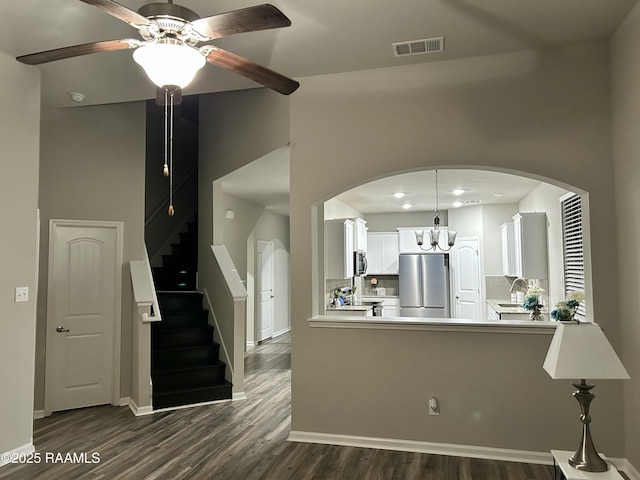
(508,250)
(339,245)
(360,234)
(530,245)
(382,253)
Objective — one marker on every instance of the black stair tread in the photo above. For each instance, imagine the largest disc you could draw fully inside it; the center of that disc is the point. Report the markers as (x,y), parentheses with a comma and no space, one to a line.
(218,364)
(175,328)
(211,344)
(226,383)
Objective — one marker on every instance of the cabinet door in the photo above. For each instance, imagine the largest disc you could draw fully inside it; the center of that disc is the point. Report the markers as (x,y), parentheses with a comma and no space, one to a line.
(508,250)
(373,254)
(348,249)
(361,235)
(407,239)
(388,251)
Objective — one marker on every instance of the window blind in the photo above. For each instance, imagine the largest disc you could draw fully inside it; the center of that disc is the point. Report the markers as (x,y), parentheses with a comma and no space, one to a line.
(571,208)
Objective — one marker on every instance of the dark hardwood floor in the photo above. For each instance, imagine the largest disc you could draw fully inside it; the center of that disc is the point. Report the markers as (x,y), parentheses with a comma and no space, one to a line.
(243,440)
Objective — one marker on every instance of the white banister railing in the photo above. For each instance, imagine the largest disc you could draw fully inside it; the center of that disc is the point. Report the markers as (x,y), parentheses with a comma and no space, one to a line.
(145,311)
(144,291)
(227,298)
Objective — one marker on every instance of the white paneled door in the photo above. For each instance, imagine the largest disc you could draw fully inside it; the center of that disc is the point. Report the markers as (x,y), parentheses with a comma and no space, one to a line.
(466,279)
(266,304)
(83,314)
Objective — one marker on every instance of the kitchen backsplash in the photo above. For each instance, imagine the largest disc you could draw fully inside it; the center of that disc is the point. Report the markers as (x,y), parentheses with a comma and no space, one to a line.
(388,282)
(498,287)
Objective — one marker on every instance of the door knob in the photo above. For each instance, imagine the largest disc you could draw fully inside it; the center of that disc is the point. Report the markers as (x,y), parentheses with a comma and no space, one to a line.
(61,329)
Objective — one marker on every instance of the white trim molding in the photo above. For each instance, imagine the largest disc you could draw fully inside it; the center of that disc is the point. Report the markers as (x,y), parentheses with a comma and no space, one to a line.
(471,451)
(238,396)
(453,450)
(25,449)
(139,411)
(38,414)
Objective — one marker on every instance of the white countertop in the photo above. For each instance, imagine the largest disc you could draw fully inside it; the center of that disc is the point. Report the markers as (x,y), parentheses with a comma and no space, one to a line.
(507,306)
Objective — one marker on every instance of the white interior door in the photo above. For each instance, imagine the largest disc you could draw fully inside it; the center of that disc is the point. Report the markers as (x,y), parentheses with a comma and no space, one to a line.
(83,314)
(466,279)
(265,276)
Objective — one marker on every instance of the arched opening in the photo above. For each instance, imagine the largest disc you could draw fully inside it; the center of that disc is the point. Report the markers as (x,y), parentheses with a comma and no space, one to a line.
(478,203)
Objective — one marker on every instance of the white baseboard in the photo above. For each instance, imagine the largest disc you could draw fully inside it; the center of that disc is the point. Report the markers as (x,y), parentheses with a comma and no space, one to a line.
(124,401)
(281,332)
(251,344)
(238,396)
(37,414)
(471,451)
(22,450)
(139,411)
(192,405)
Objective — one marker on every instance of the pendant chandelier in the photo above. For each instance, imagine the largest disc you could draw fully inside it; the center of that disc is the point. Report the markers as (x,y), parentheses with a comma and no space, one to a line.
(434,233)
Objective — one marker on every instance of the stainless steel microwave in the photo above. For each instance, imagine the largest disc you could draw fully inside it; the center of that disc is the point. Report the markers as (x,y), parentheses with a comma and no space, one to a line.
(359,263)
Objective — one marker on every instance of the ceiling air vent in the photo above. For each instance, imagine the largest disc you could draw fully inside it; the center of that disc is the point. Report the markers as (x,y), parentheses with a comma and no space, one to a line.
(418,47)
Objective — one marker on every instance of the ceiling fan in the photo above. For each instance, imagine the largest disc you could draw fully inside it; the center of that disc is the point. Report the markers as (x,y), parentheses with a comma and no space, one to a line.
(169,55)
(170,32)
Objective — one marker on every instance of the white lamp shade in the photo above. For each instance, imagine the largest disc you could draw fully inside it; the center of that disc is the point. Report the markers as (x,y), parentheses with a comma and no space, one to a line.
(434,236)
(451,237)
(581,351)
(169,64)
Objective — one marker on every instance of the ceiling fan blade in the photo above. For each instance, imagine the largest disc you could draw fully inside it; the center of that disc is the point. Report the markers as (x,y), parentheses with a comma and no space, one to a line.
(253,71)
(251,19)
(120,12)
(77,51)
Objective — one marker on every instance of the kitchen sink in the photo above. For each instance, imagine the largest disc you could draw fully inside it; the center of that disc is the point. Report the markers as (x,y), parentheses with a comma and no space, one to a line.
(510,304)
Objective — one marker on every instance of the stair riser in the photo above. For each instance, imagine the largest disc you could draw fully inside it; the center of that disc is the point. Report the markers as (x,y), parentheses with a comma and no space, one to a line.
(189,250)
(184,358)
(192,378)
(182,301)
(166,338)
(173,261)
(220,392)
(188,319)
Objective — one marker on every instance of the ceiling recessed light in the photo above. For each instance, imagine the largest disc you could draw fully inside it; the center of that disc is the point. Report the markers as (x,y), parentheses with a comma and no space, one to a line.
(457,204)
(458,191)
(407,206)
(399,194)
(499,194)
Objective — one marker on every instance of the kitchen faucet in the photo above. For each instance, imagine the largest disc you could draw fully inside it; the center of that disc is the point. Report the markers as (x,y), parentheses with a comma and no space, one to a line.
(514,282)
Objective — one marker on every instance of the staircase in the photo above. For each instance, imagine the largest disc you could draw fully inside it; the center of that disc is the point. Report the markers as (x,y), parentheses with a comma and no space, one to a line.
(185,365)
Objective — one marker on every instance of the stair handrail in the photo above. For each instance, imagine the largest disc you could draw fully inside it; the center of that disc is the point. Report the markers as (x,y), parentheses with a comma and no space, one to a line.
(144,291)
(165,203)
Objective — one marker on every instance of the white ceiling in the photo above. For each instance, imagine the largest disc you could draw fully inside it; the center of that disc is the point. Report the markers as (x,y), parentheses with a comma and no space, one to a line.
(480,187)
(326,36)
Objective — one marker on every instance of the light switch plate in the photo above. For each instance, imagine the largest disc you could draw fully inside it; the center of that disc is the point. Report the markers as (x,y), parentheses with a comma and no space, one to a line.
(22,294)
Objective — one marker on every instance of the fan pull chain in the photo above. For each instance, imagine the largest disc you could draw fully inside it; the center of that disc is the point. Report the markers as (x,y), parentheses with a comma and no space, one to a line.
(165,168)
(171,209)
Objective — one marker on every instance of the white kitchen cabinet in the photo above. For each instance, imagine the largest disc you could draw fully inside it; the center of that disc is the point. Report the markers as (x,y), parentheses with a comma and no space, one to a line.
(360,226)
(407,239)
(339,247)
(530,245)
(508,250)
(391,307)
(382,253)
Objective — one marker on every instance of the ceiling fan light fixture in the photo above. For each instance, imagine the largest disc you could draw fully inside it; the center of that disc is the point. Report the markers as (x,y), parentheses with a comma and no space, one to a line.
(169,63)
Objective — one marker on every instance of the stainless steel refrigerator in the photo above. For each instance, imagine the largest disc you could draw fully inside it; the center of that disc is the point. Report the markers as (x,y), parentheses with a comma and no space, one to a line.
(424,285)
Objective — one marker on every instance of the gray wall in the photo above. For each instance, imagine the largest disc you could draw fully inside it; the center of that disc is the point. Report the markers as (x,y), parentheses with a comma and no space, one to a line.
(546,114)
(626,145)
(20,139)
(92,168)
(236,128)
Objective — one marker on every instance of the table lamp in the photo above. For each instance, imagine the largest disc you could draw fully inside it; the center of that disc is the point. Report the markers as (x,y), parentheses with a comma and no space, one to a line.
(579,350)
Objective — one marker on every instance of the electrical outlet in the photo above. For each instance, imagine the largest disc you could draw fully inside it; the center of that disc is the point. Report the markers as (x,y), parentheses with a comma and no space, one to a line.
(434,406)
(22,294)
